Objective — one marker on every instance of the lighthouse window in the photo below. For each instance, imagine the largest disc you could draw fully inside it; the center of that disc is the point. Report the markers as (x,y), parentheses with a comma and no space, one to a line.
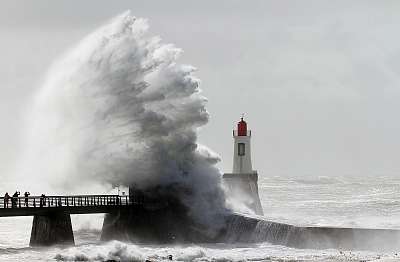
(241,149)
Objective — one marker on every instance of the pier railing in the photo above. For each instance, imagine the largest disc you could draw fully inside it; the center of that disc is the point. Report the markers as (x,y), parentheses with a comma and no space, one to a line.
(70,201)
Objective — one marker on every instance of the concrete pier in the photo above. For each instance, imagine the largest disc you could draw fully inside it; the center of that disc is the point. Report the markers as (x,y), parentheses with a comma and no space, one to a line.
(53,228)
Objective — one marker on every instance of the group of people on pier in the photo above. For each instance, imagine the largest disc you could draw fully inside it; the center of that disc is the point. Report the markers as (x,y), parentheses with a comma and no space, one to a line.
(59,201)
(15,199)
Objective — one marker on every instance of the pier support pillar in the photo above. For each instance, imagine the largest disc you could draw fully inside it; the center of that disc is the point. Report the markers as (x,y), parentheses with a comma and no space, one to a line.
(166,223)
(140,225)
(52,229)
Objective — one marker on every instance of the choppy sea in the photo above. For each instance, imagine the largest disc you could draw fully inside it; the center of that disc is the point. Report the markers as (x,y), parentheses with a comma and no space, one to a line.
(323,201)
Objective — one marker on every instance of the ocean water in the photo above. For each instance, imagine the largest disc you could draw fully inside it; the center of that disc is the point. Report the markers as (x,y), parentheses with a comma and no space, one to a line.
(349,202)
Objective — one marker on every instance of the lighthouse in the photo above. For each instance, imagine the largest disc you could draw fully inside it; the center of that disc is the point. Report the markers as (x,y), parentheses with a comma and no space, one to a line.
(241,150)
(242,183)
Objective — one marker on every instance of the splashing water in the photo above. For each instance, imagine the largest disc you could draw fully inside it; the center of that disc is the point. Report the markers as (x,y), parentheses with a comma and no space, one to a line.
(119,110)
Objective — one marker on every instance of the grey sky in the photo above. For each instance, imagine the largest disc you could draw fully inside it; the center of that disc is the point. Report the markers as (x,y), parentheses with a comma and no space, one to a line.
(318,81)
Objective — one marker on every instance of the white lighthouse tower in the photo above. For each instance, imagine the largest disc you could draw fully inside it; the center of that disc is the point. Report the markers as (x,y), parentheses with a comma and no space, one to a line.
(242,183)
(241,150)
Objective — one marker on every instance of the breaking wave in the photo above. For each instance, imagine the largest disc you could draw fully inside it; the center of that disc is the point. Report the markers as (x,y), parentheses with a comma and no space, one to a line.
(117,251)
(118,109)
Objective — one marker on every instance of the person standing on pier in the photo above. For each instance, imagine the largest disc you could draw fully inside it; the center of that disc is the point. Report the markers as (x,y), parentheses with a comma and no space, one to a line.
(26,194)
(6,198)
(42,200)
(15,199)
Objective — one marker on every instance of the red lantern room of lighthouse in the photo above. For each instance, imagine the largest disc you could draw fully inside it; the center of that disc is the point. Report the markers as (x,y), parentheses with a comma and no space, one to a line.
(242,128)
(242,153)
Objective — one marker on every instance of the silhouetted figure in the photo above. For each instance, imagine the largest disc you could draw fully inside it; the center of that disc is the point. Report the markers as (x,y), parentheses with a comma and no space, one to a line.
(26,194)
(15,199)
(170,257)
(42,200)
(6,199)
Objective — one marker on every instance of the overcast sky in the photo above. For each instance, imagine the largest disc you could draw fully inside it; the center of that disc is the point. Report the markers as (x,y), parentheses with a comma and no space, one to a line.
(318,81)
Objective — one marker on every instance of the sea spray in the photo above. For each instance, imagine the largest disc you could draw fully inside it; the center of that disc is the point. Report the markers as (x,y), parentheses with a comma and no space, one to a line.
(118,109)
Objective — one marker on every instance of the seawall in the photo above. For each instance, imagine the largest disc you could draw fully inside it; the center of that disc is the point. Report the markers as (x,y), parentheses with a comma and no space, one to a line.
(171,224)
(246,229)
